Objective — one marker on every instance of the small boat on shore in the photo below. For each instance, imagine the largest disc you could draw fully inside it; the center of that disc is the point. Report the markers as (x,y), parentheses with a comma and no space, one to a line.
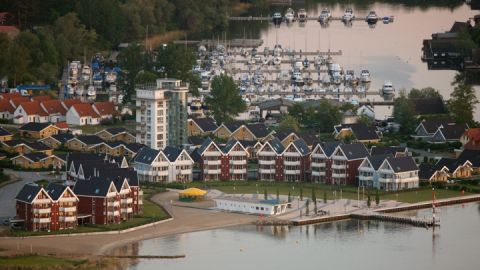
(302,15)
(365,76)
(277,18)
(388,89)
(290,15)
(348,16)
(325,16)
(372,17)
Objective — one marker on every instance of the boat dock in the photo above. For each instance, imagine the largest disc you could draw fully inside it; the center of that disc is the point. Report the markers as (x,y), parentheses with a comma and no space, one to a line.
(414,221)
(268,18)
(238,42)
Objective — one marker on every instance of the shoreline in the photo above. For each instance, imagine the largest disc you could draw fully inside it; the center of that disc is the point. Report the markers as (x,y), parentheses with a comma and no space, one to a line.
(183,220)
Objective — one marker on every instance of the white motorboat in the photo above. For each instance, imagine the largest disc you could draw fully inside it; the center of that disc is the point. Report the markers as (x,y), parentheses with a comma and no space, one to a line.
(302,15)
(277,18)
(387,88)
(348,16)
(277,60)
(86,72)
(110,77)
(372,17)
(79,90)
(365,76)
(325,16)
(277,50)
(289,15)
(91,92)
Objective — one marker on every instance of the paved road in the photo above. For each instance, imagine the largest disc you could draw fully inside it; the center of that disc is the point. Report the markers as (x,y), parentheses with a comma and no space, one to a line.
(8,192)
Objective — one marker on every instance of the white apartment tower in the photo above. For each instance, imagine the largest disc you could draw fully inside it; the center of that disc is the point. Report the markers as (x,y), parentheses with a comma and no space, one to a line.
(162,113)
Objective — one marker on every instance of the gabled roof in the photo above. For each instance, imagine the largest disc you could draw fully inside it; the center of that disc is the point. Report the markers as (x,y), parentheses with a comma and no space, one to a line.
(37,146)
(134,147)
(6,106)
(384,150)
(301,146)
(33,108)
(171,153)
(329,147)
(61,125)
(115,130)
(53,107)
(84,110)
(206,124)
(309,137)
(89,139)
(361,131)
(402,164)
(453,131)
(8,96)
(55,191)
(4,132)
(259,130)
(34,126)
(247,144)
(354,151)
(284,133)
(13,143)
(471,155)
(473,134)
(205,146)
(431,125)
(33,157)
(28,193)
(195,140)
(41,98)
(61,137)
(105,108)
(234,125)
(67,103)
(426,171)
(276,145)
(450,163)
(146,155)
(275,104)
(95,187)
(230,145)
(19,100)
(376,161)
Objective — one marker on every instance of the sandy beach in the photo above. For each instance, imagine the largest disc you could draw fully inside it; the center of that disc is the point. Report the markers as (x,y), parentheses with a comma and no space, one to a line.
(185,219)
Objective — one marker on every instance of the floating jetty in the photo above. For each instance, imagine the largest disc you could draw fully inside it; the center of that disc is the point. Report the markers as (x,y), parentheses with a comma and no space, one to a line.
(239,42)
(414,221)
(263,18)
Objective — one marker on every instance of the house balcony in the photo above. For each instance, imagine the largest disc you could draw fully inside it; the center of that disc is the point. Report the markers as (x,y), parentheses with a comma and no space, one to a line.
(212,162)
(339,158)
(41,220)
(111,194)
(266,171)
(338,166)
(318,165)
(113,204)
(292,163)
(238,162)
(127,210)
(238,171)
(266,154)
(68,209)
(113,213)
(140,193)
(292,172)
(386,180)
(212,154)
(237,153)
(42,210)
(140,201)
(211,171)
(291,154)
(68,218)
(318,173)
(339,175)
(266,162)
(69,199)
(322,156)
(127,200)
(365,178)
(42,201)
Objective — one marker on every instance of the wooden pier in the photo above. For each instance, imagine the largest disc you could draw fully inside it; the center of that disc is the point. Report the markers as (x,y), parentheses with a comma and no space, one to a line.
(269,19)
(414,221)
(240,42)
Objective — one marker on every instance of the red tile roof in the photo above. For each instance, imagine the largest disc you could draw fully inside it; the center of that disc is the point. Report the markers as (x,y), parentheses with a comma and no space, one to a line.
(473,134)
(8,96)
(70,102)
(105,108)
(5,106)
(41,98)
(62,125)
(54,107)
(33,108)
(17,101)
(85,109)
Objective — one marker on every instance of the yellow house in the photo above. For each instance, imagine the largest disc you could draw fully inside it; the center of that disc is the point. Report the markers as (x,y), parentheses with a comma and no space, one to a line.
(24,147)
(55,141)
(38,130)
(5,135)
(359,131)
(252,132)
(116,149)
(225,130)
(201,126)
(37,160)
(83,143)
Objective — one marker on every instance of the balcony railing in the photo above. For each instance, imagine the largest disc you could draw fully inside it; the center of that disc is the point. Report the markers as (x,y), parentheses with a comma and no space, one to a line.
(68,218)
(212,162)
(127,200)
(68,209)
(292,163)
(115,203)
(42,210)
(211,171)
(127,210)
(266,171)
(292,171)
(266,162)
(238,171)
(41,220)
(317,173)
(238,162)
(42,201)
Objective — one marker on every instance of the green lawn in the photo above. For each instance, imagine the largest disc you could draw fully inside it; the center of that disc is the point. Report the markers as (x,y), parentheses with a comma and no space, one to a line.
(39,262)
(348,192)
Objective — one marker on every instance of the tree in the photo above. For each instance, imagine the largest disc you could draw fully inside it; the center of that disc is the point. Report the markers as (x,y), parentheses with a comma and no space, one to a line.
(145,77)
(301,194)
(132,61)
(225,100)
(325,197)
(463,101)
(289,122)
(377,198)
(265,194)
(403,114)
(428,92)
(4,55)
(365,120)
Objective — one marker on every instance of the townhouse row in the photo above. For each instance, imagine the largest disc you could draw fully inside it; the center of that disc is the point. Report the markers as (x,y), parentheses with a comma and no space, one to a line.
(44,109)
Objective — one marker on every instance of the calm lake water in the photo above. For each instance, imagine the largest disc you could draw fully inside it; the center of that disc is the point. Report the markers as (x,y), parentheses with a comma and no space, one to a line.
(391,52)
(341,245)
